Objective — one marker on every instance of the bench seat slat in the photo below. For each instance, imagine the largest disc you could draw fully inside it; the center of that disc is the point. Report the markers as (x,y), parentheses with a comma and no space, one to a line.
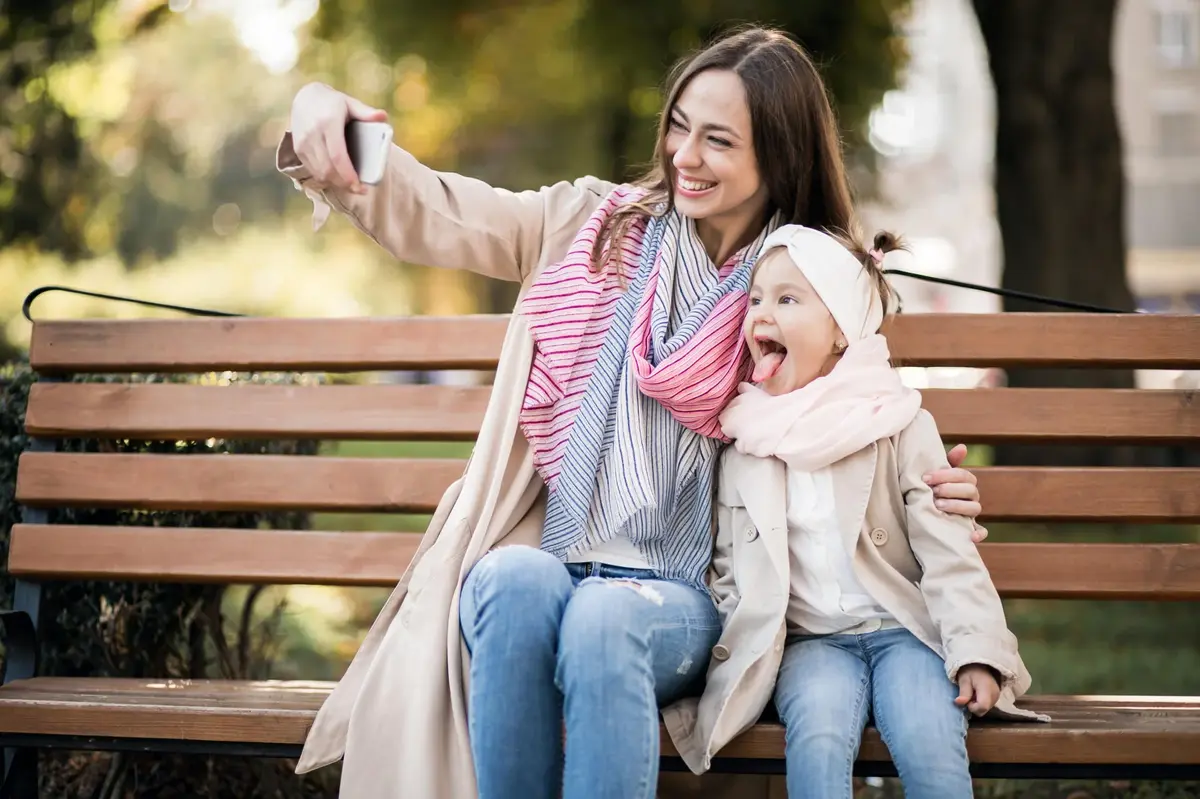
(1147,341)
(1049,571)
(454,413)
(412,485)
(1124,730)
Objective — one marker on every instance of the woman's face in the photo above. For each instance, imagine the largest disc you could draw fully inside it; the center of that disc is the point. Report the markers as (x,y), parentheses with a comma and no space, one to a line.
(791,334)
(710,151)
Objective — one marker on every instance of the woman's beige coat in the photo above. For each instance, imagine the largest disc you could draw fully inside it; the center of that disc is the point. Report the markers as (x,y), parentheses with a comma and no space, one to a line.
(916,561)
(398,715)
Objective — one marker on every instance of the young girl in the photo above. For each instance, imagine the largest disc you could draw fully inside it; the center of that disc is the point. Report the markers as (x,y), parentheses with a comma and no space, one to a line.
(841,586)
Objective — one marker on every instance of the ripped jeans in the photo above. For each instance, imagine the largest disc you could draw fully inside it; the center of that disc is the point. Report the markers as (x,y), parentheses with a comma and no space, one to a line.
(598,647)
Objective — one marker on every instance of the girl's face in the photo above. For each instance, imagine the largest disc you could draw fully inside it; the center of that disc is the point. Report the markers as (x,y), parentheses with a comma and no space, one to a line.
(792,337)
(710,151)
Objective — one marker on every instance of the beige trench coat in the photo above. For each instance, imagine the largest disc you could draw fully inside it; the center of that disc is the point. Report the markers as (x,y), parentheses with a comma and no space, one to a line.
(398,715)
(916,561)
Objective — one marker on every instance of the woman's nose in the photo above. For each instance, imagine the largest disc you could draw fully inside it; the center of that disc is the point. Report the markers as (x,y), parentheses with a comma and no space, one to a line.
(687,156)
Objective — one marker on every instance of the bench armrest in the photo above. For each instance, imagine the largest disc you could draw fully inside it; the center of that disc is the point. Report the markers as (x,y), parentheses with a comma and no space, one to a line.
(20,645)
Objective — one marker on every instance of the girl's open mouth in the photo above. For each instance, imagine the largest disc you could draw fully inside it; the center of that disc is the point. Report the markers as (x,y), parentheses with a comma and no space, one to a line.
(771,355)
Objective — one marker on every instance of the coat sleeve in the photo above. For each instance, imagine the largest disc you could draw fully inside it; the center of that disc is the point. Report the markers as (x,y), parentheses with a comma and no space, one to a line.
(447,220)
(955,583)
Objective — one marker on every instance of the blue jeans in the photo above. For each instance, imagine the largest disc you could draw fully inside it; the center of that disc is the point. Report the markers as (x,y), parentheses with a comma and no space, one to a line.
(596,647)
(830,685)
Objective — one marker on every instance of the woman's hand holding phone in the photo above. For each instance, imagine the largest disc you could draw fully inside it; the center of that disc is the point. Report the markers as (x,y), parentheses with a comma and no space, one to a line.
(321,117)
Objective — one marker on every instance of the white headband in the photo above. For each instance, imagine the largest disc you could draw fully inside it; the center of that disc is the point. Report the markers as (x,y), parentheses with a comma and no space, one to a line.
(840,280)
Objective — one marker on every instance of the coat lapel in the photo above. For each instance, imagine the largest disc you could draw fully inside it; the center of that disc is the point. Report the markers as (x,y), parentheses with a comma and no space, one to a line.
(762,485)
(852,482)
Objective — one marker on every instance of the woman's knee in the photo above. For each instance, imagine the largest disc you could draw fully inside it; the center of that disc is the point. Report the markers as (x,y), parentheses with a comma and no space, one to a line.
(601,631)
(515,579)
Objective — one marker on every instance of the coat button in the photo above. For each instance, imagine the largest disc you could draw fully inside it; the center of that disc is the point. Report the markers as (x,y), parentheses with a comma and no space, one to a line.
(751,533)
(879,536)
(720,652)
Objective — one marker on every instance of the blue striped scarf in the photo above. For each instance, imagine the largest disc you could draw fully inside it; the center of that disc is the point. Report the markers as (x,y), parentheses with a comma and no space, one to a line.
(630,468)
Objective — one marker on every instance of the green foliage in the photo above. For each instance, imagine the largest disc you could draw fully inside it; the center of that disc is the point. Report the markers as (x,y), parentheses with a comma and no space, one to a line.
(102,147)
(44,169)
(549,90)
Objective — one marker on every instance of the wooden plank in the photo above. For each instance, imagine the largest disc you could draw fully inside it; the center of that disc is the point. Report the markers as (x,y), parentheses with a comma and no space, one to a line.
(277,482)
(1142,341)
(1153,572)
(1090,495)
(454,413)
(208,555)
(244,345)
(1059,416)
(1146,341)
(235,482)
(1048,571)
(189,412)
(1124,730)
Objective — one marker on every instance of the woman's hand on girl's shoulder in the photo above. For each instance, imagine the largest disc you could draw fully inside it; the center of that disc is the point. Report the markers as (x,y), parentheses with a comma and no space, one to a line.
(956,491)
(318,126)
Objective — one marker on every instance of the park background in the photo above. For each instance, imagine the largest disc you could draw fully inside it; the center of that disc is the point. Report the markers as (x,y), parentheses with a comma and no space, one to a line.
(137,146)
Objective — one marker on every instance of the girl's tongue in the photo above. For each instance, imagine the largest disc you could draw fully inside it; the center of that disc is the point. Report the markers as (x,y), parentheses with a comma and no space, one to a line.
(767,366)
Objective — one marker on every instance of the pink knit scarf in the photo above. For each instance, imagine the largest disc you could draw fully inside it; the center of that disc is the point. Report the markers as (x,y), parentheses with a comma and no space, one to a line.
(859,402)
(570,308)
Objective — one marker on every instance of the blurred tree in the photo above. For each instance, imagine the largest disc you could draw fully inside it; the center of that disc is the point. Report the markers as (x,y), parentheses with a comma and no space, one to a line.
(597,67)
(42,163)
(121,130)
(1059,180)
(527,93)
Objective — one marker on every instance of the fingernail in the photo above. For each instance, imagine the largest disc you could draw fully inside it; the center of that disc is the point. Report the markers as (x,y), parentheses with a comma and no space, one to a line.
(928,478)
(940,503)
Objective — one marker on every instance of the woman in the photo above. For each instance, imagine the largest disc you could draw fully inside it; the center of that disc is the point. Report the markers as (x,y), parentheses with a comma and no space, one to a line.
(569,561)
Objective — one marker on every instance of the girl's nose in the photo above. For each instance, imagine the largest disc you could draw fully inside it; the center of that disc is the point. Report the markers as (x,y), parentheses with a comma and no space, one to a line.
(759,314)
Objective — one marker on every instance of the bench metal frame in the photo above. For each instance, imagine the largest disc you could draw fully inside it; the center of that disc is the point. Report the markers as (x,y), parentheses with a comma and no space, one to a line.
(19,628)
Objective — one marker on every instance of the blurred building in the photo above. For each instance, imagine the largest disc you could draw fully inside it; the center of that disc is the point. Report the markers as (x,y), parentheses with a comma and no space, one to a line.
(934,137)
(1157,61)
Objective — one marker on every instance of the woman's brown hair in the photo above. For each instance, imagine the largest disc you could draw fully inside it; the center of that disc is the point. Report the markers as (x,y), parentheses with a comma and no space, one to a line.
(795,136)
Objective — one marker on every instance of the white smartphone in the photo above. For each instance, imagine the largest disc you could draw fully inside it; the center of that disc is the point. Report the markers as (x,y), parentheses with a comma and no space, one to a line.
(368,144)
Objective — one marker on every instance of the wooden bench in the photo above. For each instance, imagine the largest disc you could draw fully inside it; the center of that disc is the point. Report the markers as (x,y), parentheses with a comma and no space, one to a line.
(1099,735)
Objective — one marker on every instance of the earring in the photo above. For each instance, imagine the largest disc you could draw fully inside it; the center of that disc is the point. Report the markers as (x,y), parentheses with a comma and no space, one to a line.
(840,348)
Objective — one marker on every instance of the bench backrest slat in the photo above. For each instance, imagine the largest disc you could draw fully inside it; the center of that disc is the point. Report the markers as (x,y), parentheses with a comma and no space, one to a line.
(353,345)
(1103,571)
(454,413)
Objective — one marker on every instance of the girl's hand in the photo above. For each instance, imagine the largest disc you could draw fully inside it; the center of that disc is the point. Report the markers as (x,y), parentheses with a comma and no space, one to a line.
(955,491)
(978,689)
(318,125)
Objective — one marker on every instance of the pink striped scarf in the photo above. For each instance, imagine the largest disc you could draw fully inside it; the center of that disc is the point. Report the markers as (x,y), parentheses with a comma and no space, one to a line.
(569,308)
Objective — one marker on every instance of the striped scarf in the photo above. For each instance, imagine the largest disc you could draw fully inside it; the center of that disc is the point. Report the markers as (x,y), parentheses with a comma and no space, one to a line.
(626,387)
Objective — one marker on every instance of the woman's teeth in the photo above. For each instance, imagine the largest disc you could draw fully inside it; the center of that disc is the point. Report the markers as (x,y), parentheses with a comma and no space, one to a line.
(695,185)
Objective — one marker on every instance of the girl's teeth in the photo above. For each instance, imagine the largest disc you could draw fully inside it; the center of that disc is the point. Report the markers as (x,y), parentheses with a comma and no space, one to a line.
(692,185)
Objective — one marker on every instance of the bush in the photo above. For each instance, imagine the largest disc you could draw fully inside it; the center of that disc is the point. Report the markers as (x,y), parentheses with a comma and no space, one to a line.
(105,629)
